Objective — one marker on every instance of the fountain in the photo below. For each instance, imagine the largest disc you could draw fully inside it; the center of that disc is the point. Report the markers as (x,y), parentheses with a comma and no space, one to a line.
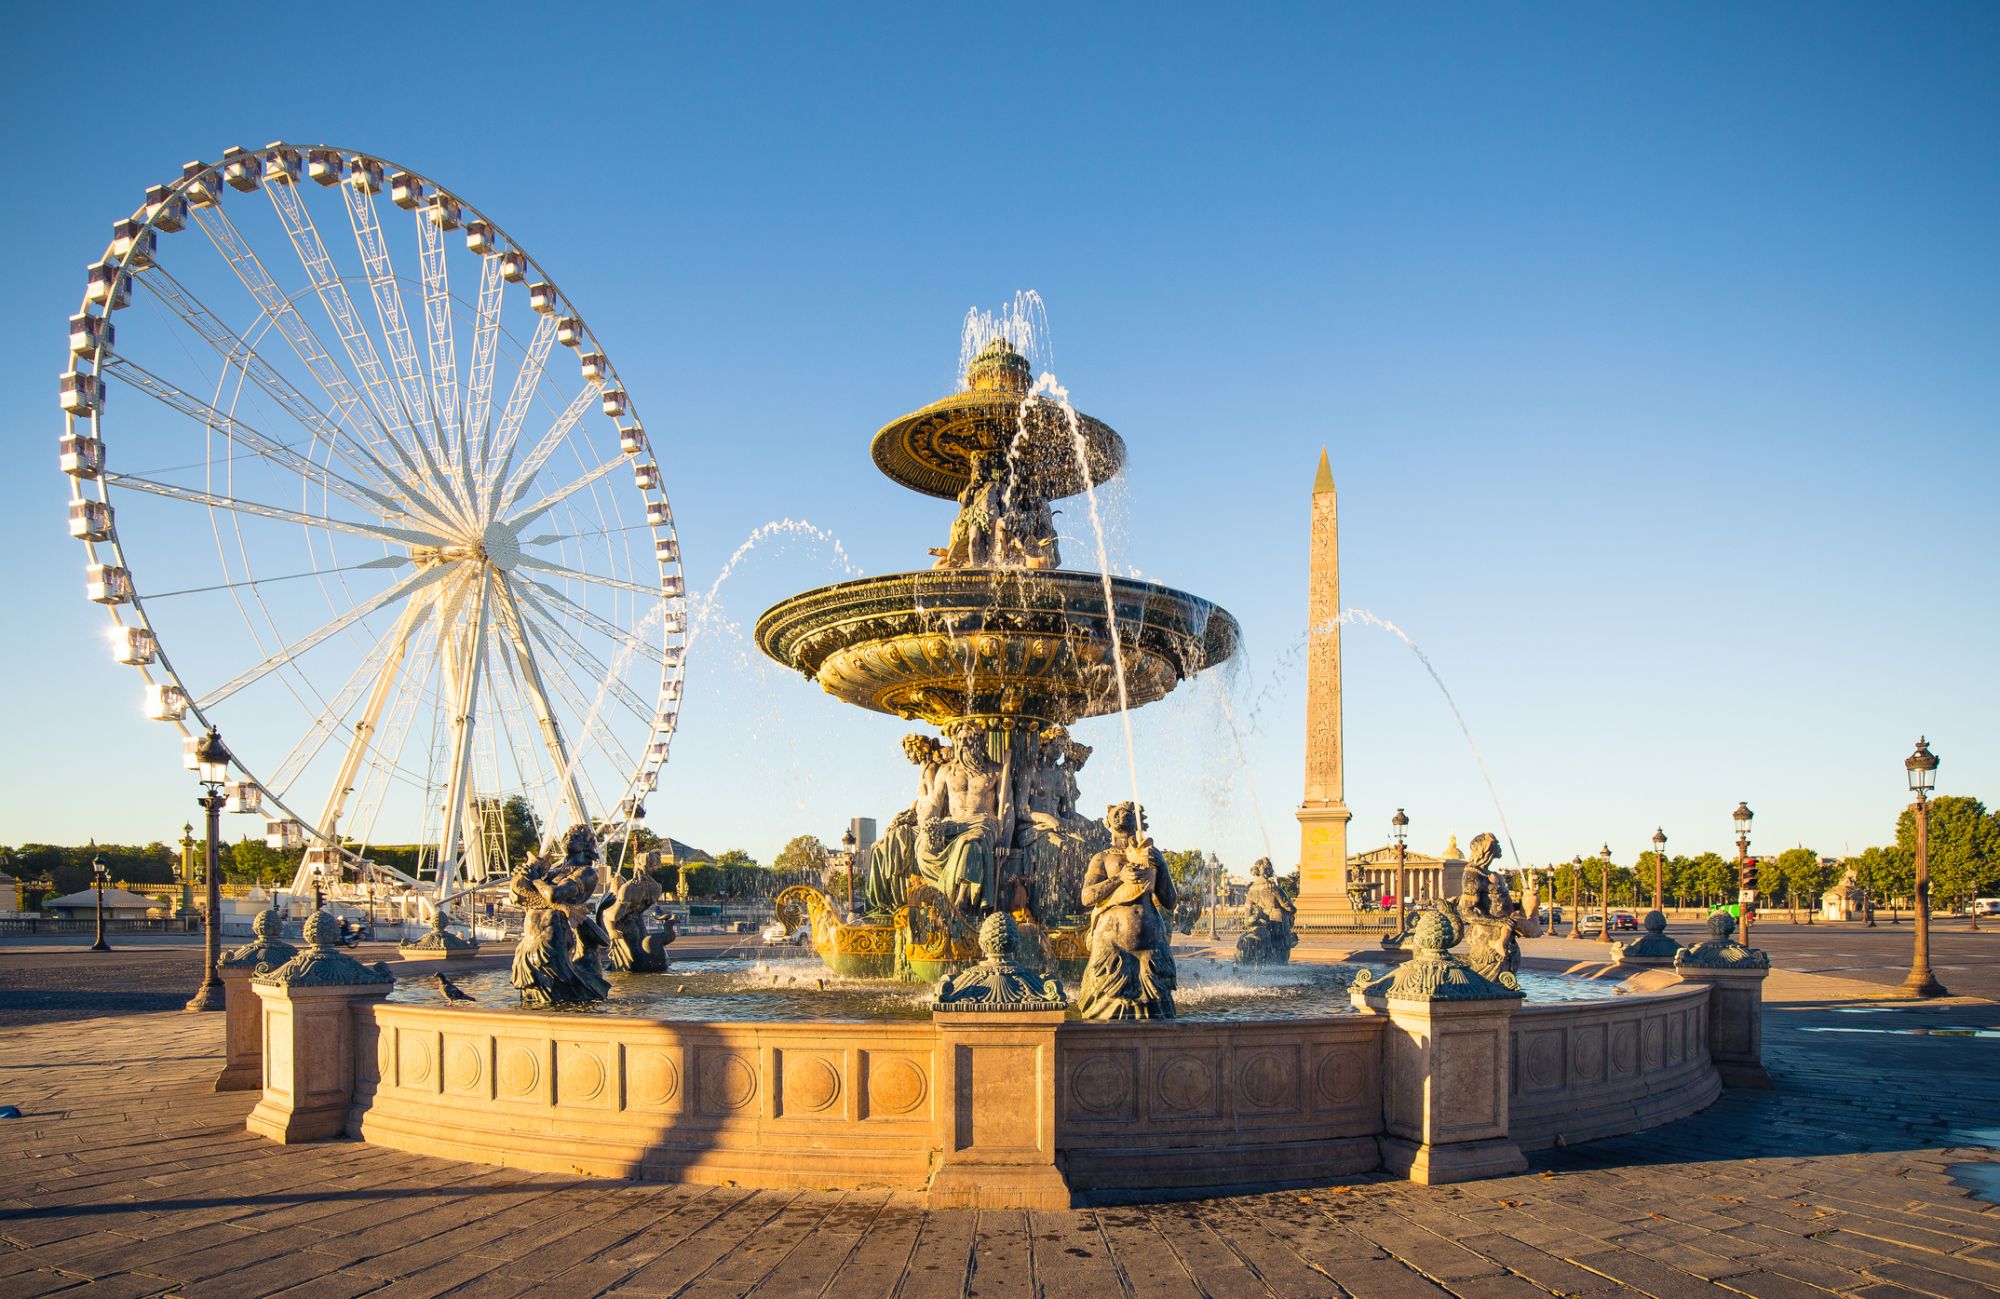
(1001,649)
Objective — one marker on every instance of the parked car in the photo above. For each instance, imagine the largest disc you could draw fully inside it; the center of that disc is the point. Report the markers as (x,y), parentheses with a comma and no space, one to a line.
(1983,907)
(1623,920)
(1591,924)
(776,935)
(1551,915)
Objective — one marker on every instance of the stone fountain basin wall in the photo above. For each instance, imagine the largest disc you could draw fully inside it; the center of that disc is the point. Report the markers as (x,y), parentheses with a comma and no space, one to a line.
(1136,1108)
(779,1105)
(1594,1069)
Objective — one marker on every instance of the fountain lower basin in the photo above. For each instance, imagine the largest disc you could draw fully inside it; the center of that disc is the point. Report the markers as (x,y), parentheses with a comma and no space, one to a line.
(797,989)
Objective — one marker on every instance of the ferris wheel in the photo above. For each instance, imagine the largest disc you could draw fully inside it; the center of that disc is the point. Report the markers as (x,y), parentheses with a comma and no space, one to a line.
(398,531)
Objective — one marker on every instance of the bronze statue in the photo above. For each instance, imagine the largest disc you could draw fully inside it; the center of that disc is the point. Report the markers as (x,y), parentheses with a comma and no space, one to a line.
(1130,894)
(1002,981)
(556,961)
(1269,937)
(1053,843)
(979,507)
(1492,921)
(633,946)
(948,837)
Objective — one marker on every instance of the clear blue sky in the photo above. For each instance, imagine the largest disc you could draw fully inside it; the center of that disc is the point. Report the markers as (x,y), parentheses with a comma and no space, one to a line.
(1655,347)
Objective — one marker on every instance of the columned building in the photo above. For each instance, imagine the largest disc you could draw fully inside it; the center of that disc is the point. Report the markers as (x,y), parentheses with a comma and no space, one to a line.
(1372,874)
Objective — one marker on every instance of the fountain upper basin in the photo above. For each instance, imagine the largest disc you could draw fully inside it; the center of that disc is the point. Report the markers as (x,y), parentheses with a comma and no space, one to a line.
(948,644)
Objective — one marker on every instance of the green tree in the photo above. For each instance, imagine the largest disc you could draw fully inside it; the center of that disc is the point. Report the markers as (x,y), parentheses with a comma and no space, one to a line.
(1189,869)
(1964,847)
(700,880)
(1887,874)
(520,828)
(1805,877)
(804,858)
(1711,878)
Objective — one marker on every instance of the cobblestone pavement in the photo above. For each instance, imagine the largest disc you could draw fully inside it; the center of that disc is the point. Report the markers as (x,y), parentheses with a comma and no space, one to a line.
(128,1177)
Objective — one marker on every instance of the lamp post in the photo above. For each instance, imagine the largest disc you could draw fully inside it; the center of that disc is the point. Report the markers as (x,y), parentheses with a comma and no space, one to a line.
(1214,890)
(1604,894)
(187,870)
(848,843)
(211,761)
(1746,874)
(1922,768)
(99,877)
(1399,827)
(1660,870)
(1575,894)
(319,886)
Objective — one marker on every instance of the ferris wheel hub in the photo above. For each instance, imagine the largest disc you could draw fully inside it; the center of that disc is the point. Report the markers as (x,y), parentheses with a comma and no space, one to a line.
(502,546)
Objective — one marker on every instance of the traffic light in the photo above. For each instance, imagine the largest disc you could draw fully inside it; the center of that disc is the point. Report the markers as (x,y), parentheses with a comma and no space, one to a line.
(1749,870)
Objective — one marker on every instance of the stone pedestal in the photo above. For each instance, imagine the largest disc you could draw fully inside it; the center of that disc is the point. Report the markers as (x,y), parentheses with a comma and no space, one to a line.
(996,1112)
(243,1028)
(1652,952)
(308,1043)
(1735,974)
(243,1033)
(1445,1063)
(1735,1021)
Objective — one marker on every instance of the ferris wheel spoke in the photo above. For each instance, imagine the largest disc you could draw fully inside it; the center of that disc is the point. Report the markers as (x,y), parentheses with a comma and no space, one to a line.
(579,702)
(519,400)
(414,582)
(578,575)
(555,498)
(308,745)
(542,592)
(376,531)
(354,337)
(503,497)
(234,430)
(346,433)
(365,729)
(437,322)
(388,297)
(255,277)
(485,350)
(553,629)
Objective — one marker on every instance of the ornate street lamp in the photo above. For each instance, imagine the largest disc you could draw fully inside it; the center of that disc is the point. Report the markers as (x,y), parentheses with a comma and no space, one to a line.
(319,886)
(1746,874)
(1660,870)
(187,871)
(100,877)
(1399,829)
(1922,768)
(1604,894)
(1575,894)
(211,761)
(848,843)
(1214,890)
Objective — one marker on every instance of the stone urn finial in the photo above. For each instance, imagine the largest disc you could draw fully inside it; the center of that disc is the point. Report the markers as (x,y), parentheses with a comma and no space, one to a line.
(1654,943)
(322,964)
(1721,951)
(1432,973)
(266,949)
(1000,982)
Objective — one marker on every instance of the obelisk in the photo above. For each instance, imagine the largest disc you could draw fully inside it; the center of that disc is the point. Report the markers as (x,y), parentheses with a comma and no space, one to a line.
(1323,815)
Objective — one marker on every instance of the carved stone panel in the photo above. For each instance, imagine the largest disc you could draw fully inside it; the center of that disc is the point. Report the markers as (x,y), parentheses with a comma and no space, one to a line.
(810,1084)
(521,1070)
(468,1065)
(417,1059)
(585,1076)
(726,1082)
(898,1085)
(1185,1084)
(653,1078)
(1266,1079)
(1101,1086)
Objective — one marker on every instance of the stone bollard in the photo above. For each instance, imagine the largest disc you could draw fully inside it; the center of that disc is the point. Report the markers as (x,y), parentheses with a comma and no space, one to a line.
(1735,974)
(309,1037)
(1444,1062)
(438,943)
(1652,951)
(243,1027)
(996,1110)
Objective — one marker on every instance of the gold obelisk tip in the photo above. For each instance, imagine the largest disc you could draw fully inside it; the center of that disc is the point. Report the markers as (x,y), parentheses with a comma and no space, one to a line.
(1323,481)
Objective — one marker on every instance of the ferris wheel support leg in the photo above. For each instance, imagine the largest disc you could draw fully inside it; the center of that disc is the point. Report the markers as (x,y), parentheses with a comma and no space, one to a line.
(545,717)
(457,792)
(364,733)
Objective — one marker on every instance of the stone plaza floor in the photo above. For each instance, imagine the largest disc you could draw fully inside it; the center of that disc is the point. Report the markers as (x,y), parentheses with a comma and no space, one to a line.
(127,1176)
